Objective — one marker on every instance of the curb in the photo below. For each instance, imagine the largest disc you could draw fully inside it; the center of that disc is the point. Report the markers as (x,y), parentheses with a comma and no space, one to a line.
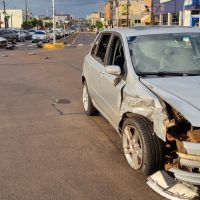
(54,46)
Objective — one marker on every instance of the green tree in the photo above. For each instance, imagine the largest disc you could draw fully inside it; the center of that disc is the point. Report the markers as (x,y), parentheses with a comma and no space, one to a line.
(99,25)
(30,23)
(48,24)
(39,23)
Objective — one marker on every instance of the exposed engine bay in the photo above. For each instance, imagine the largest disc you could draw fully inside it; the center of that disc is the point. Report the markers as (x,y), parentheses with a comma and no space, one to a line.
(181,178)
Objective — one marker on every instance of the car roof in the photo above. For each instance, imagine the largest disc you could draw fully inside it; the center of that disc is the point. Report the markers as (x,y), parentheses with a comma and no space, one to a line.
(151,30)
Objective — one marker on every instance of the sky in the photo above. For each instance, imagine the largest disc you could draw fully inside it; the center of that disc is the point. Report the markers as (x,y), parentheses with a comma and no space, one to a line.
(78,8)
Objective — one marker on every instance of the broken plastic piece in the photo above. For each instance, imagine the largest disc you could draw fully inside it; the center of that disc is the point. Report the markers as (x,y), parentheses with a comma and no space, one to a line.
(165,185)
(189,177)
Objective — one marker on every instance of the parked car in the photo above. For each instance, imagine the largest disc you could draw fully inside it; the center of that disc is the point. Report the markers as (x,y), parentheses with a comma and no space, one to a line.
(146,83)
(50,34)
(3,42)
(21,35)
(69,31)
(59,33)
(27,35)
(10,35)
(31,32)
(40,36)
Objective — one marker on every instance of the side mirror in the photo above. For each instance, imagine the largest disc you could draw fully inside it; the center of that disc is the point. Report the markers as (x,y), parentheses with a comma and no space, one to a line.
(113,70)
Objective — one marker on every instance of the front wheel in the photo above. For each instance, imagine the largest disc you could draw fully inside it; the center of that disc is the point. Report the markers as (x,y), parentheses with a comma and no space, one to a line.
(87,102)
(142,148)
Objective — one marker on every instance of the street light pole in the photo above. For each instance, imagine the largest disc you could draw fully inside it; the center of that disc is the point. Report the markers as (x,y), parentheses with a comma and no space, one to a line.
(26,7)
(127,13)
(4,12)
(54,23)
(152,12)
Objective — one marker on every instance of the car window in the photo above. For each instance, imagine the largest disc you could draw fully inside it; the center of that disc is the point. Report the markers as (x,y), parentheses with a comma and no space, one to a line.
(101,52)
(175,52)
(95,46)
(116,54)
(39,33)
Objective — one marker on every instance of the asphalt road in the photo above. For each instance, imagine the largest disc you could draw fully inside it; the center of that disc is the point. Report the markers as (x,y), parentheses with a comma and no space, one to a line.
(85,39)
(46,155)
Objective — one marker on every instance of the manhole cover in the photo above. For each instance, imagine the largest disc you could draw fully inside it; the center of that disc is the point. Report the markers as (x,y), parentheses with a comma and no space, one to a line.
(62,101)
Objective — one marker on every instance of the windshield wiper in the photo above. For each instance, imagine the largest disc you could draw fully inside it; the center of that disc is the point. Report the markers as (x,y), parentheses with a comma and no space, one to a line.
(167,74)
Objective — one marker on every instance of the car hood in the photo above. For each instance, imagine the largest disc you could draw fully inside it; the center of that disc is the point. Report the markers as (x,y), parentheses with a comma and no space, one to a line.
(2,39)
(182,93)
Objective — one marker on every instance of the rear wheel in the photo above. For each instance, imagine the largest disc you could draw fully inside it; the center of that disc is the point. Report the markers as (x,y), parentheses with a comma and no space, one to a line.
(14,41)
(87,102)
(142,149)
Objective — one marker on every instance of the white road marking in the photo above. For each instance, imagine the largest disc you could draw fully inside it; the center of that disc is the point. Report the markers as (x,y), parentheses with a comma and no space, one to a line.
(73,42)
(32,45)
(18,45)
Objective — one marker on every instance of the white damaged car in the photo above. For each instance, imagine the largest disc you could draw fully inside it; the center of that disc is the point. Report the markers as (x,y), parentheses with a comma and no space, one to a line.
(146,82)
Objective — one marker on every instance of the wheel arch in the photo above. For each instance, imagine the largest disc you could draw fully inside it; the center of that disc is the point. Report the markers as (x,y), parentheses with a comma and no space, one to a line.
(127,115)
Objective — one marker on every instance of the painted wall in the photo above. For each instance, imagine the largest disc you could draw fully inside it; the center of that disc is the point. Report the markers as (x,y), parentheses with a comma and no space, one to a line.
(168,6)
(15,20)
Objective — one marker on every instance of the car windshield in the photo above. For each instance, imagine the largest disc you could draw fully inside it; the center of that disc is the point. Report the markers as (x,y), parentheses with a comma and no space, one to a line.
(173,54)
(39,33)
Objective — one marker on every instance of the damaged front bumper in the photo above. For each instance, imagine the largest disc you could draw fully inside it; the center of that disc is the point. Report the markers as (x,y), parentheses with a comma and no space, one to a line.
(182,182)
(165,185)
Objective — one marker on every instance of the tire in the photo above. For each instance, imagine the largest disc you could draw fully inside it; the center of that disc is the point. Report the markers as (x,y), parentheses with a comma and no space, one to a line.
(88,106)
(14,41)
(145,154)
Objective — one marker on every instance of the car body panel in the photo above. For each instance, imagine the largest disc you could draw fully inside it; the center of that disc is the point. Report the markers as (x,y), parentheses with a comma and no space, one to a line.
(171,90)
(40,36)
(3,42)
(9,35)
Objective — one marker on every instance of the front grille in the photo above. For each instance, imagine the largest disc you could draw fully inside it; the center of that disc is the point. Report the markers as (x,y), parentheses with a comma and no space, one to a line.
(3,42)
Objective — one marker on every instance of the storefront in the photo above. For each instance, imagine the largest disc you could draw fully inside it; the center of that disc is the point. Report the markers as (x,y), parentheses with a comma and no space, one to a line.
(169,12)
(192,13)
(177,12)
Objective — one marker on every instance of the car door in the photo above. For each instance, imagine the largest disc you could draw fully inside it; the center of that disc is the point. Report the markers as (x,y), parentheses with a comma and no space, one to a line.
(95,64)
(110,85)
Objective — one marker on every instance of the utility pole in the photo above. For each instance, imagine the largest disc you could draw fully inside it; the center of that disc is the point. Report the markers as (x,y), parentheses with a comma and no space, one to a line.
(152,12)
(4,12)
(11,17)
(54,23)
(26,6)
(127,13)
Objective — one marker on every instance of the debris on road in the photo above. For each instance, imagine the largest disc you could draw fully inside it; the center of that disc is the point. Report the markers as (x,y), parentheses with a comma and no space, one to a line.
(4,56)
(165,185)
(11,47)
(31,53)
(40,45)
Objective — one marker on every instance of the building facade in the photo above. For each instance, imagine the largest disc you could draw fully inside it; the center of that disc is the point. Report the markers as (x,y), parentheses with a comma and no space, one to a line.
(177,12)
(124,13)
(140,12)
(94,17)
(109,14)
(15,18)
(62,18)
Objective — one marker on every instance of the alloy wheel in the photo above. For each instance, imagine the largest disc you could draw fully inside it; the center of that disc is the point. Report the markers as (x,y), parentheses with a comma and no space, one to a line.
(133,147)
